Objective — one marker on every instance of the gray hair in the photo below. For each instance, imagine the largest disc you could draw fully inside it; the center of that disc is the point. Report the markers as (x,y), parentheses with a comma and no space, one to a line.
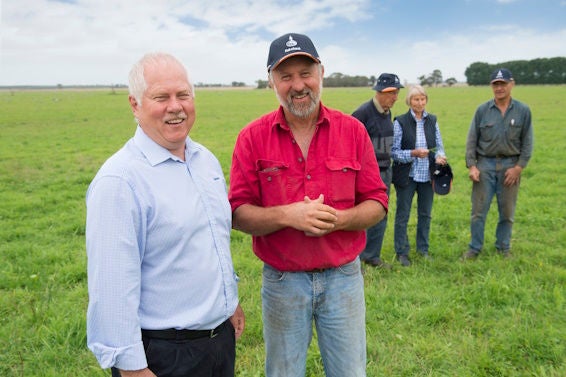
(137,84)
(415,90)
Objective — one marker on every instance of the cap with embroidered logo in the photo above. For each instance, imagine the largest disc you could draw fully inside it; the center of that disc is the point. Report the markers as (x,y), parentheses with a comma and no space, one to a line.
(288,45)
(501,74)
(441,178)
(387,82)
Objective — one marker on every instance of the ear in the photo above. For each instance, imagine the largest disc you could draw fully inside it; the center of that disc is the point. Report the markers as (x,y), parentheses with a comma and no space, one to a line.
(133,103)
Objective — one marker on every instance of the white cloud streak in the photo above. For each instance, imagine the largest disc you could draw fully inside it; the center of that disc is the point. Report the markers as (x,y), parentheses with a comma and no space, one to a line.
(93,42)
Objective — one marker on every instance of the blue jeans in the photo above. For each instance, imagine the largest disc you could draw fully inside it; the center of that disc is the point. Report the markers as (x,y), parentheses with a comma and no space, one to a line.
(334,300)
(492,175)
(405,195)
(376,233)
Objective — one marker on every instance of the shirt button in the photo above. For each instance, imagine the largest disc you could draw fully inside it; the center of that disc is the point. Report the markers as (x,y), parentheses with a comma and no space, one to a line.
(300,159)
(344,170)
(308,176)
(268,179)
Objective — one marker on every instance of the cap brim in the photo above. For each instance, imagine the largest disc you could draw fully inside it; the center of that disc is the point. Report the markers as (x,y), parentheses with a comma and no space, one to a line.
(500,80)
(388,89)
(298,53)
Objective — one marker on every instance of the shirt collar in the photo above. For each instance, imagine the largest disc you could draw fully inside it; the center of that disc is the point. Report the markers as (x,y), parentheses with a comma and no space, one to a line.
(425,114)
(378,107)
(154,152)
(492,102)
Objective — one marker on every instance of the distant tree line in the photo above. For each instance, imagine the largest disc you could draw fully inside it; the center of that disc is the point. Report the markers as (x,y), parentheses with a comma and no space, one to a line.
(536,71)
(435,79)
(340,80)
(336,80)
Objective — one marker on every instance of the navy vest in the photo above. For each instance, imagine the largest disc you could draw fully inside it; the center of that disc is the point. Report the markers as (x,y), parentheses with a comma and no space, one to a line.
(408,140)
(380,130)
(409,127)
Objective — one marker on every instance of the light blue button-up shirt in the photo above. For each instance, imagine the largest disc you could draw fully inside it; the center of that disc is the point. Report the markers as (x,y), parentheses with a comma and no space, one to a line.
(420,169)
(158,247)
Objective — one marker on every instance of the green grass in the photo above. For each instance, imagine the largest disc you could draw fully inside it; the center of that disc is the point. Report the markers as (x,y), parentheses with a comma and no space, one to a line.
(491,317)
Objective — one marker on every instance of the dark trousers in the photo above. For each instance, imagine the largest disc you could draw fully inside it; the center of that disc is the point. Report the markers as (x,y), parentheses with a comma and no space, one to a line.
(203,357)
(425,197)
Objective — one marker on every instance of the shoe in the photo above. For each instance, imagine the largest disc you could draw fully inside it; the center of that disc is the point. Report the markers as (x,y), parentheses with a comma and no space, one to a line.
(404,260)
(426,256)
(377,262)
(504,253)
(470,254)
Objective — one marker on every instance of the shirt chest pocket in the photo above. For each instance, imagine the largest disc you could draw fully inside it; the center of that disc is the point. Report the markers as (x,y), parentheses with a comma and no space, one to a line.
(515,130)
(273,182)
(342,174)
(487,132)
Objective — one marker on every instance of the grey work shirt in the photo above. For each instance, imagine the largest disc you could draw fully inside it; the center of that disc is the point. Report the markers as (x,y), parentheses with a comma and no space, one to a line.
(494,135)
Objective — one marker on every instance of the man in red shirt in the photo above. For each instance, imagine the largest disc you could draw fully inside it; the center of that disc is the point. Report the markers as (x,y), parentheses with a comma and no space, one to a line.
(305,184)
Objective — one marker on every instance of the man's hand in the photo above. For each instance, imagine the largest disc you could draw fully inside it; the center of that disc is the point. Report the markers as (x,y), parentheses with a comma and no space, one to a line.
(238,320)
(313,216)
(474,174)
(512,175)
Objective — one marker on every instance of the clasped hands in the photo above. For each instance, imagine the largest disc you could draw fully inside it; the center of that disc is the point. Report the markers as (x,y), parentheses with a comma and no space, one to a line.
(313,217)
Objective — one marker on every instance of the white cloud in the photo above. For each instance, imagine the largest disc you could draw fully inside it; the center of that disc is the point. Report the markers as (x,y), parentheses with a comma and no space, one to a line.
(450,54)
(93,42)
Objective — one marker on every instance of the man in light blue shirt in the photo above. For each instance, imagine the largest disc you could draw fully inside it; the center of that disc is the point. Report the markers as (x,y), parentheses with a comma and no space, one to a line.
(158,241)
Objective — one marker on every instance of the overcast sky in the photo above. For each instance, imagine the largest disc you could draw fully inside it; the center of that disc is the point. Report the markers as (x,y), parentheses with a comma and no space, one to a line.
(83,42)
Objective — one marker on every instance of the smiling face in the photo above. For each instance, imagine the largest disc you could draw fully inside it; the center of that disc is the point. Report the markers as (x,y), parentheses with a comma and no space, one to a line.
(167,111)
(418,104)
(298,84)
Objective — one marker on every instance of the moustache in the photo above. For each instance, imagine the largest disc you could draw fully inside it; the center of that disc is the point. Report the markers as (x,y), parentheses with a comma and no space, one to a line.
(177,117)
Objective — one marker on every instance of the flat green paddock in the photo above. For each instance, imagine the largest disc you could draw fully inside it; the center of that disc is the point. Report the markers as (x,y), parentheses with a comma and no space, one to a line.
(491,317)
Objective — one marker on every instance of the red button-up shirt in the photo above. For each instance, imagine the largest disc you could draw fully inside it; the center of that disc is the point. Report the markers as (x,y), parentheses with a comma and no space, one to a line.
(268,169)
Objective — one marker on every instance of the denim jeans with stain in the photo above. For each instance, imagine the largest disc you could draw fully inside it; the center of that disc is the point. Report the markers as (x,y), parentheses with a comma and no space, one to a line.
(492,176)
(334,301)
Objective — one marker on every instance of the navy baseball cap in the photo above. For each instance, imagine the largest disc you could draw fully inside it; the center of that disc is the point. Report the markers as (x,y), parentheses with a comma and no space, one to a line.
(291,44)
(441,177)
(501,74)
(387,82)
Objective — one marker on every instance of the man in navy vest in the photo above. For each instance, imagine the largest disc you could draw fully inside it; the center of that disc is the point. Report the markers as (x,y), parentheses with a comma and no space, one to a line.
(375,114)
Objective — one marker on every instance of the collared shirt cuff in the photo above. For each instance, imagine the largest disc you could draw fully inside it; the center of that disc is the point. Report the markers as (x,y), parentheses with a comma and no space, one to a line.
(126,358)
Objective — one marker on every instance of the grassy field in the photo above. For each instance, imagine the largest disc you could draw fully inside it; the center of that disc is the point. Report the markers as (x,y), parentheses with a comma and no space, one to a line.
(491,317)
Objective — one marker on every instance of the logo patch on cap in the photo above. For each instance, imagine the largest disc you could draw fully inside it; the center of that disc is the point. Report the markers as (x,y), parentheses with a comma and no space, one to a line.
(291,42)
